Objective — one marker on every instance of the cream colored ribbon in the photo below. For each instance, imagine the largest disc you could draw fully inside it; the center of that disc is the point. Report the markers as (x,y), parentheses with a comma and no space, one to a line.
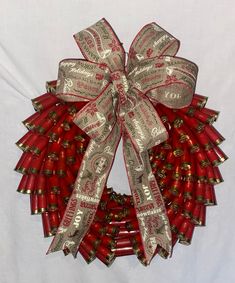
(120,104)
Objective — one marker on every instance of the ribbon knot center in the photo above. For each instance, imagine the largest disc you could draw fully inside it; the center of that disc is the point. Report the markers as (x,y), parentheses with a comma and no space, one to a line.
(120,84)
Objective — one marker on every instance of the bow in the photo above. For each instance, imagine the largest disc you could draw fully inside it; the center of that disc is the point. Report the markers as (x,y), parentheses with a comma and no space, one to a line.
(120,104)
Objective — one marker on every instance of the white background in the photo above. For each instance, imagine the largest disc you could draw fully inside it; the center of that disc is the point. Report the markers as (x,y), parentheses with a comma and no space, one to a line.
(34,36)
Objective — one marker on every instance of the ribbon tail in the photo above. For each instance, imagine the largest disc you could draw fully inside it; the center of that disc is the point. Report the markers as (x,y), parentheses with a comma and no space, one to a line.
(150,208)
(89,185)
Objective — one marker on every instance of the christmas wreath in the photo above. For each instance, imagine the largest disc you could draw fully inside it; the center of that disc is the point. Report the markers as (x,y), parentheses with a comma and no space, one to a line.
(170,148)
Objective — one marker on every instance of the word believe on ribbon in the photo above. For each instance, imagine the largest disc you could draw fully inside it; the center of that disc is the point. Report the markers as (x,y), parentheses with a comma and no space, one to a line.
(121,99)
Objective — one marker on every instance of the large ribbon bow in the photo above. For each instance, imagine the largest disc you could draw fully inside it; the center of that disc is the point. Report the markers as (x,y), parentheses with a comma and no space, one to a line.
(120,104)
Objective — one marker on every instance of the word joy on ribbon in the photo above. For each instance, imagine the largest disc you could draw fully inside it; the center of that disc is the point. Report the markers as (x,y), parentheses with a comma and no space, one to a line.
(121,99)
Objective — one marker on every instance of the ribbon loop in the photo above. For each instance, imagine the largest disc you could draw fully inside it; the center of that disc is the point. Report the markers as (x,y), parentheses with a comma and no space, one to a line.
(80,80)
(99,43)
(120,104)
(167,80)
(152,41)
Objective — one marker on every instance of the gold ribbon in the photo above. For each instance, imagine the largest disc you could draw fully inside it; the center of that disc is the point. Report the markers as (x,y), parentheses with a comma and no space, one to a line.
(120,104)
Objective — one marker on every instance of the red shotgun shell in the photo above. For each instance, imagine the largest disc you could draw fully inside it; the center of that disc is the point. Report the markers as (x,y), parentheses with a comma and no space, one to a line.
(65,190)
(132,225)
(210,175)
(54,221)
(136,240)
(200,192)
(56,131)
(70,153)
(212,156)
(70,178)
(92,239)
(170,159)
(68,121)
(34,203)
(81,147)
(193,144)
(202,216)
(108,241)
(88,257)
(217,174)
(183,229)
(212,115)
(194,123)
(123,243)
(186,160)
(199,214)
(30,185)
(44,101)
(199,101)
(98,228)
(188,208)
(201,173)
(36,163)
(164,183)
(22,188)
(57,112)
(167,195)
(31,141)
(52,202)
(54,184)
(202,158)
(175,187)
(40,97)
(129,212)
(112,203)
(23,163)
(102,216)
(75,166)
(40,184)
(29,122)
(123,251)
(46,224)
(204,140)
(39,145)
(69,136)
(127,200)
(213,134)
(171,214)
(112,230)
(42,203)
(176,222)
(39,120)
(45,126)
(48,167)
(221,155)
(90,251)
(188,188)
(105,255)
(187,237)
(61,165)
(53,150)
(124,233)
(210,198)
(22,142)
(204,117)
(177,201)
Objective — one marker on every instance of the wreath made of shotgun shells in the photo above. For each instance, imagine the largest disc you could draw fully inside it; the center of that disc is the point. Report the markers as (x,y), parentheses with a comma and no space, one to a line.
(185,167)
